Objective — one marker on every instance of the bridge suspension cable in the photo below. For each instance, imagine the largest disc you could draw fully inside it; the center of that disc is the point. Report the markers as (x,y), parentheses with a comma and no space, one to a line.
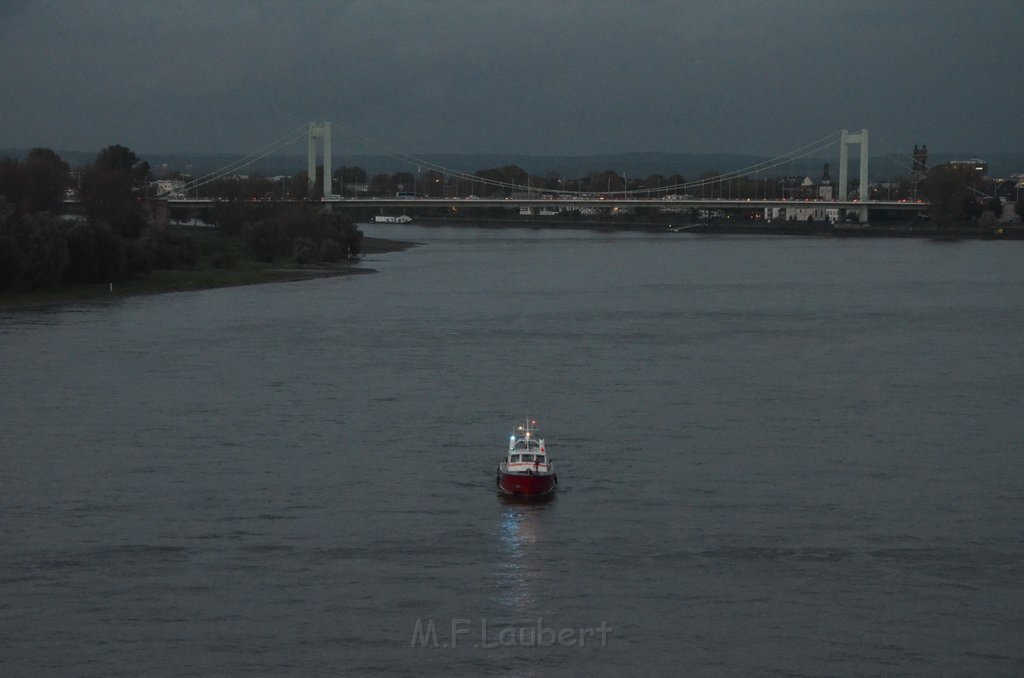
(800,152)
(901,159)
(411,159)
(300,133)
(274,146)
(796,154)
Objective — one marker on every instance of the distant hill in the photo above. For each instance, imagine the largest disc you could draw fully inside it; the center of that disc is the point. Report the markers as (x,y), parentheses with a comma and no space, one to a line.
(641,164)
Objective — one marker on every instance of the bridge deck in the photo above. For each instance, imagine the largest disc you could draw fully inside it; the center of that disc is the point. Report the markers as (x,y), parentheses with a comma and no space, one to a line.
(591,202)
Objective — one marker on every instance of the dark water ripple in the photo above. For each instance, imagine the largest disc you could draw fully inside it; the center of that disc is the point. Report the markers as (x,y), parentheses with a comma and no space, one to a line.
(789,457)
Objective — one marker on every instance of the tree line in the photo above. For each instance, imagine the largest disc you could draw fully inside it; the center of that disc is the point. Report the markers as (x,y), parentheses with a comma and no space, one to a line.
(954,200)
(117,236)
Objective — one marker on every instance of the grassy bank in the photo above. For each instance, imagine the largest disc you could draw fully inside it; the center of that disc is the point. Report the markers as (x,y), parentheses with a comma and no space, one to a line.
(204,275)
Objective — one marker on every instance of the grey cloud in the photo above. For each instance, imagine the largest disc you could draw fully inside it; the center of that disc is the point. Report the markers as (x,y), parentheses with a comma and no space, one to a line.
(531,76)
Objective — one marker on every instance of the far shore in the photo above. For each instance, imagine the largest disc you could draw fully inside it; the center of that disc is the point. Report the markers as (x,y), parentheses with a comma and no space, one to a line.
(199,278)
(924,230)
(255,273)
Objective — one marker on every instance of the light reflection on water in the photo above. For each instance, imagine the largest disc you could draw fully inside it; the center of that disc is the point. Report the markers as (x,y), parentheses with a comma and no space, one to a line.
(519,565)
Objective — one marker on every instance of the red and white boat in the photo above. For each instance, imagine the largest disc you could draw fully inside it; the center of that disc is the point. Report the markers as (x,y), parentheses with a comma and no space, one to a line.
(527,470)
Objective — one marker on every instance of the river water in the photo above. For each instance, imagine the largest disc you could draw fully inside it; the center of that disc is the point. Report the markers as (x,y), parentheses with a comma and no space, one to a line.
(782,456)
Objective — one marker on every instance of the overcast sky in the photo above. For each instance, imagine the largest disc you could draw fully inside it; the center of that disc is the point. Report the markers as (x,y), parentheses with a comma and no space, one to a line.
(515,76)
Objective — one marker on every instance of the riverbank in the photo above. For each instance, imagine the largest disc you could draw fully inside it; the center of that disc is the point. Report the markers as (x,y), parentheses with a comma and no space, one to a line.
(924,229)
(203,276)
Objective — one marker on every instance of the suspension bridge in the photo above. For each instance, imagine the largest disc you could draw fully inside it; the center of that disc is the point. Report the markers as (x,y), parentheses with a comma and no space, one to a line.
(689,194)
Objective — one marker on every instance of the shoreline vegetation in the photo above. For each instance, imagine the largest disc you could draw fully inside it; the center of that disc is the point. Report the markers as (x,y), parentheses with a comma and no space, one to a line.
(120,241)
(204,275)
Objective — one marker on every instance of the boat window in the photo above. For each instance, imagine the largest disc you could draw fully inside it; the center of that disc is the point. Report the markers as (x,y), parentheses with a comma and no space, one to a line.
(527,457)
(515,457)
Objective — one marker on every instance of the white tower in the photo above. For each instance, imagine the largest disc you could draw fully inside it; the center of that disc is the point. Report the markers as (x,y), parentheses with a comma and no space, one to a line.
(320,131)
(848,139)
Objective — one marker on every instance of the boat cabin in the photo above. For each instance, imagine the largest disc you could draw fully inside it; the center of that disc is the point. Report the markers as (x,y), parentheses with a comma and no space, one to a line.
(526,453)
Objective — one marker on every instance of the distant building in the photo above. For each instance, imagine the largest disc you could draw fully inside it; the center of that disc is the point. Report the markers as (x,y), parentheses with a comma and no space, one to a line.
(806,197)
(921,160)
(802,212)
(171,188)
(975,165)
(797,187)
(355,189)
(825,187)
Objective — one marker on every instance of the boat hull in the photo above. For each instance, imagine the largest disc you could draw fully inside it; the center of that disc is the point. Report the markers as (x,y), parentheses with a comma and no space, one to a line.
(527,485)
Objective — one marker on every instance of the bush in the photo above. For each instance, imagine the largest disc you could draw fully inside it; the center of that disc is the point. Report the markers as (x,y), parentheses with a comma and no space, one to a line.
(12,260)
(11,253)
(138,260)
(994,205)
(225,258)
(267,239)
(110,254)
(82,265)
(170,248)
(96,253)
(306,233)
(355,240)
(330,250)
(319,225)
(304,250)
(46,250)
(230,217)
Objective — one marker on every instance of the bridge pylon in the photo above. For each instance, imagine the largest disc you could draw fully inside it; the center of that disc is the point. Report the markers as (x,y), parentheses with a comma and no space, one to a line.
(849,139)
(320,131)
